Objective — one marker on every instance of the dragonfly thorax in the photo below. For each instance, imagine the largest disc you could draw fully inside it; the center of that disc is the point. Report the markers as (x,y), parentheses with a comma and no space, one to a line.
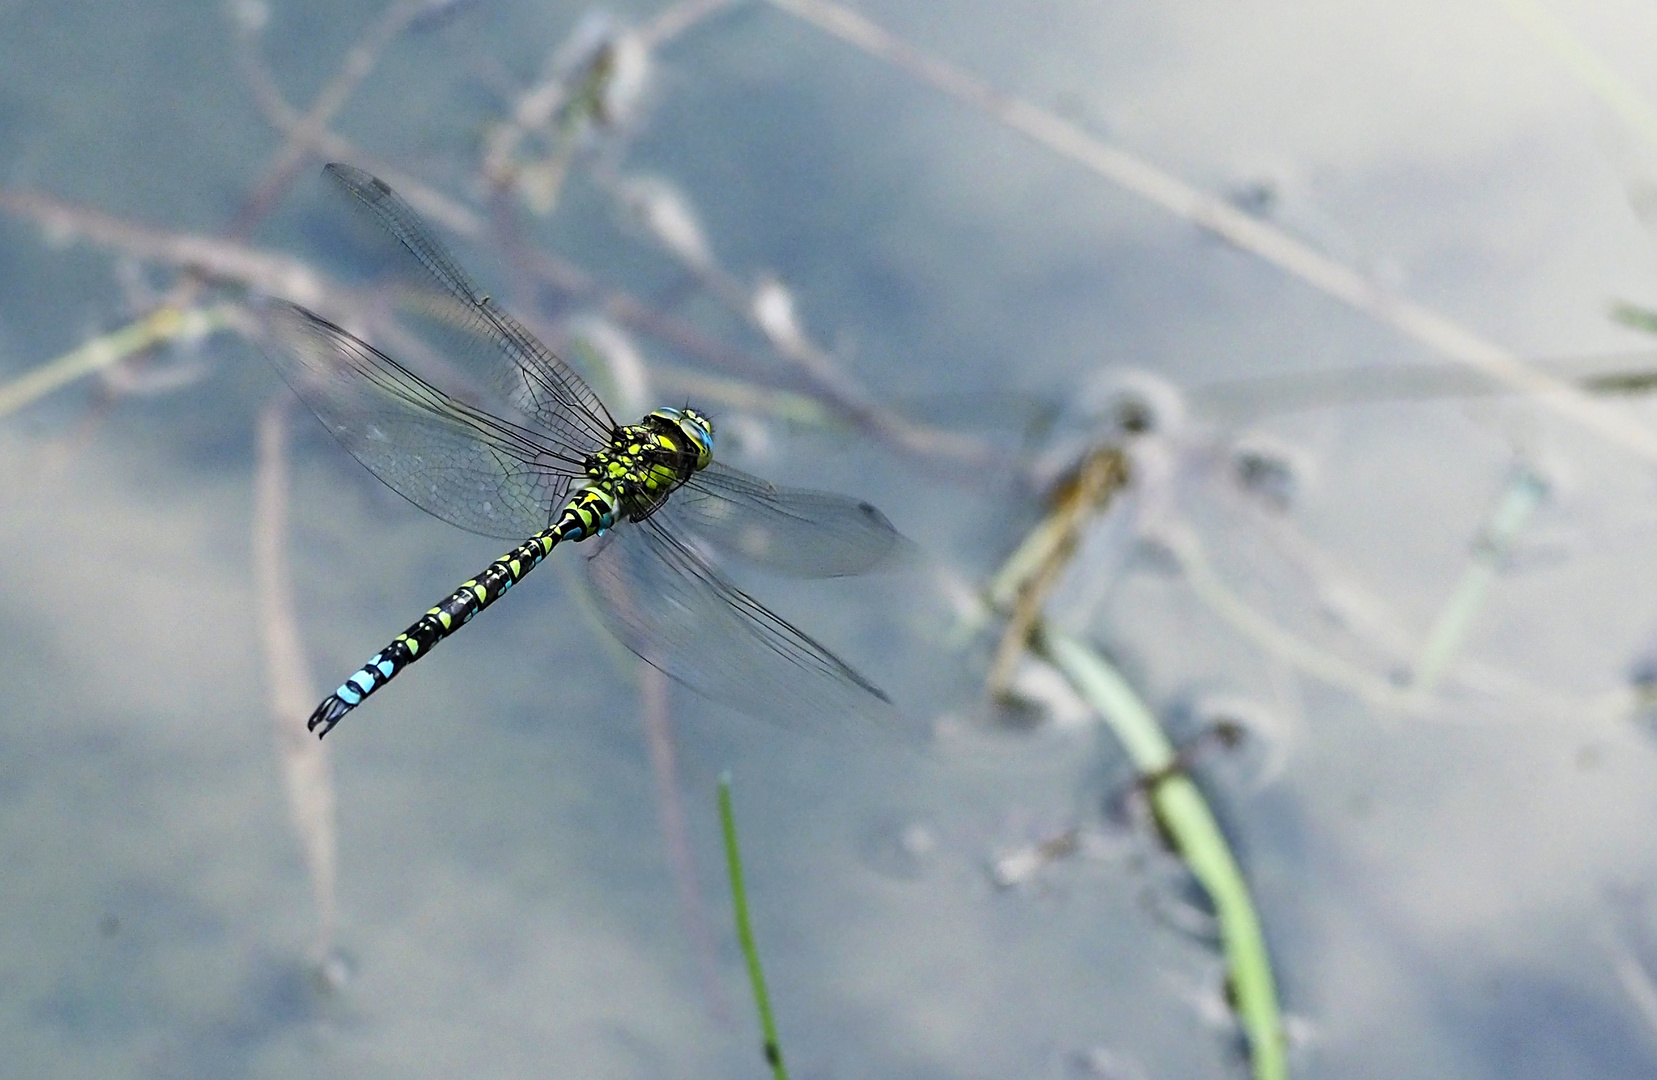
(646,462)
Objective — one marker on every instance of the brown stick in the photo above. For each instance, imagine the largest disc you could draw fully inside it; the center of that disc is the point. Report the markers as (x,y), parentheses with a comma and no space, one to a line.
(654,707)
(1100,476)
(1406,317)
(302,137)
(306,773)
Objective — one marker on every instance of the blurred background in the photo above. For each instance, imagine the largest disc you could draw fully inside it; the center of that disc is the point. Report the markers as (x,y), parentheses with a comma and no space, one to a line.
(1354,301)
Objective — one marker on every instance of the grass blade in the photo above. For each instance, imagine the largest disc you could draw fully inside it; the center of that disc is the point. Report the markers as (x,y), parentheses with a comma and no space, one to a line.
(745,934)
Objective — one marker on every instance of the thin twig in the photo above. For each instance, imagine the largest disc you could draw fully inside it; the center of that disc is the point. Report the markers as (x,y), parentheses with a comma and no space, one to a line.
(788,406)
(275,274)
(1047,553)
(1215,215)
(1239,401)
(630,311)
(853,399)
(222,260)
(1599,77)
(675,19)
(1376,691)
(844,395)
(769,310)
(199,256)
(163,324)
(306,773)
(282,116)
(1523,493)
(824,379)
(302,136)
(634,313)
(670,803)
(1302,655)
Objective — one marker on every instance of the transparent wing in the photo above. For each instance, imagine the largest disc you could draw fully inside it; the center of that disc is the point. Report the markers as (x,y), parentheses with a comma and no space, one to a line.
(490,343)
(456,462)
(786,530)
(665,601)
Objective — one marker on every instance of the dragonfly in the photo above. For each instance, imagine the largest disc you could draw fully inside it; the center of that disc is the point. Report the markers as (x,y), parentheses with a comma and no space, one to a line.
(521,446)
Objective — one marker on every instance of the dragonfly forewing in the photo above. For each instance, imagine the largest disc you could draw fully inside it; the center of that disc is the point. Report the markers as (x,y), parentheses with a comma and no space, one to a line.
(467,467)
(791,531)
(491,344)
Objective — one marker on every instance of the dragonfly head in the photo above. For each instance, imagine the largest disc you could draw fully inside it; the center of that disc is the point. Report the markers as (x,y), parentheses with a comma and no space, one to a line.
(696,427)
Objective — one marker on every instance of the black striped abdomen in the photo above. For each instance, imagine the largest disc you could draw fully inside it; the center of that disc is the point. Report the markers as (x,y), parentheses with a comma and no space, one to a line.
(588,514)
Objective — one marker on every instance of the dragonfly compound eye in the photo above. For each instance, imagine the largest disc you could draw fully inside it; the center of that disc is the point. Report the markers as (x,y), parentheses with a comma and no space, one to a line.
(699,430)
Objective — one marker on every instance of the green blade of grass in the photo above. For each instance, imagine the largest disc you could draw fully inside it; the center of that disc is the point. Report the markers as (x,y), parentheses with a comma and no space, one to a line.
(161,325)
(1523,494)
(1590,69)
(771,1047)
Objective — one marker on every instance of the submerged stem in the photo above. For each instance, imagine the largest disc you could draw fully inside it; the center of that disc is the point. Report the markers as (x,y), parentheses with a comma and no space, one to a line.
(1184,815)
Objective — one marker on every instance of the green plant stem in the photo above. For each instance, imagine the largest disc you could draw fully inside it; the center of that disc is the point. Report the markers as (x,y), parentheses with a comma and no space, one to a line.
(1189,824)
(771,1047)
(1599,77)
(1524,493)
(163,324)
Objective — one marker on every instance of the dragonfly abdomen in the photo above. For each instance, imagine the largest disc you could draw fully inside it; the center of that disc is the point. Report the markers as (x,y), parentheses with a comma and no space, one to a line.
(591,512)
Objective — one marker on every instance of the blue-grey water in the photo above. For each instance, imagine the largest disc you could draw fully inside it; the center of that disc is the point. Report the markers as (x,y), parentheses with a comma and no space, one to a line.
(1468,890)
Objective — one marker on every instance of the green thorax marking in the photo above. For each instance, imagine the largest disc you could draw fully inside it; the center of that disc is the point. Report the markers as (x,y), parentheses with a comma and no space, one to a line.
(646,462)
